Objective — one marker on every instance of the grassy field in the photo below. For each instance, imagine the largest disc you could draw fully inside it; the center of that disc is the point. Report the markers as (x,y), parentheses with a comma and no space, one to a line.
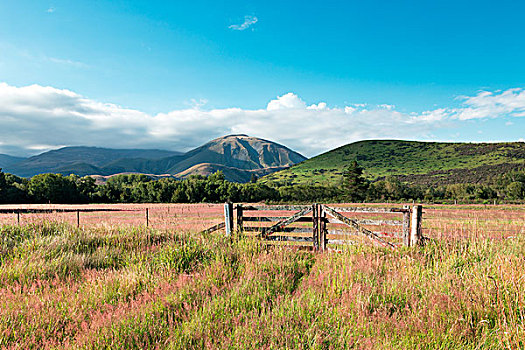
(102,286)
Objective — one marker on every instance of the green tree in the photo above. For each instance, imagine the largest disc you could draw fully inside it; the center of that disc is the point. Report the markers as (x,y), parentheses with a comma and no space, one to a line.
(515,190)
(354,184)
(86,187)
(53,188)
(3,187)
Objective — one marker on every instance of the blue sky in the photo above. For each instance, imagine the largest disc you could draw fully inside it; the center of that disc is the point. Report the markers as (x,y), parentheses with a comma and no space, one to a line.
(164,59)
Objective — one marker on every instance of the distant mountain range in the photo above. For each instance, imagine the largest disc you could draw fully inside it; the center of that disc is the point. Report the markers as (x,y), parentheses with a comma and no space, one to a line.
(425,163)
(6,160)
(238,156)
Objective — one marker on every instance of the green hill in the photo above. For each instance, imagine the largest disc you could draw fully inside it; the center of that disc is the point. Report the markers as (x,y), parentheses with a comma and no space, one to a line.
(428,163)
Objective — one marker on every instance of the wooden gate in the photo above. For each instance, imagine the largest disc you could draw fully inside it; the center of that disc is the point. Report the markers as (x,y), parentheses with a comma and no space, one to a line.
(323,227)
(277,223)
(402,226)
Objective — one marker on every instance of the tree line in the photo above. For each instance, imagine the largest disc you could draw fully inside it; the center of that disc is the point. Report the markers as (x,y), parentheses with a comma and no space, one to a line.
(137,188)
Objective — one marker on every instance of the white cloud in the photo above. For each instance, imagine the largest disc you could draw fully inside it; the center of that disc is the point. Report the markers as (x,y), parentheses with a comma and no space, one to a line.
(248,22)
(50,10)
(319,106)
(434,115)
(488,104)
(40,118)
(287,101)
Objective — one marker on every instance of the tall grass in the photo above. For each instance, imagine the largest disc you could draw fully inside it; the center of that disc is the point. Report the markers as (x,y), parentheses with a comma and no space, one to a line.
(119,288)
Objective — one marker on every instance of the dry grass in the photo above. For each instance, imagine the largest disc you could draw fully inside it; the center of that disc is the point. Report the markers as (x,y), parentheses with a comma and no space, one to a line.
(132,287)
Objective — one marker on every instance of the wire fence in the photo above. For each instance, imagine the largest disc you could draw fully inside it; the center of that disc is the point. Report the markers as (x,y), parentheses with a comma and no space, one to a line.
(497,222)
(188,217)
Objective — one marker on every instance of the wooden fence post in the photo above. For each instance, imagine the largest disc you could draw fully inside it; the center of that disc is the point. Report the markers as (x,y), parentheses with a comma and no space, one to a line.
(416,237)
(147,217)
(406,226)
(240,223)
(78,218)
(322,227)
(315,225)
(18,217)
(228,218)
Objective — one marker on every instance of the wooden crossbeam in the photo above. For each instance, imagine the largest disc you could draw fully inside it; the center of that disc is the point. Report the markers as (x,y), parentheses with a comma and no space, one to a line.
(285,222)
(279,229)
(370,222)
(353,223)
(341,241)
(213,228)
(275,207)
(370,210)
(273,218)
(290,239)
(346,233)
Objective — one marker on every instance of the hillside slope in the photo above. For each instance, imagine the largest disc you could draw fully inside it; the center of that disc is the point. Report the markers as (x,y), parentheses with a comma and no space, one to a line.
(232,174)
(428,163)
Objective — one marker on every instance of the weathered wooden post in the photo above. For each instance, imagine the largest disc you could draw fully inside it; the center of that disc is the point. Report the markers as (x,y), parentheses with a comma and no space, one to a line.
(78,218)
(147,217)
(416,237)
(315,225)
(406,226)
(322,227)
(228,218)
(240,223)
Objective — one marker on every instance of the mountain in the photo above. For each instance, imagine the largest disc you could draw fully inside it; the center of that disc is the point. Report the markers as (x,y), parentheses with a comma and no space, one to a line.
(426,163)
(81,160)
(238,156)
(240,152)
(6,160)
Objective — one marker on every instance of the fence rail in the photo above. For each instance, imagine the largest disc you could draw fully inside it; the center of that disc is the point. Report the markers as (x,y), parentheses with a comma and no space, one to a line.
(19,211)
(57,210)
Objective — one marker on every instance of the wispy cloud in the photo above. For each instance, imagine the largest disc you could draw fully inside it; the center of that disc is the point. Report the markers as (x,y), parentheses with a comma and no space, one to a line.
(66,62)
(50,10)
(28,57)
(39,118)
(248,22)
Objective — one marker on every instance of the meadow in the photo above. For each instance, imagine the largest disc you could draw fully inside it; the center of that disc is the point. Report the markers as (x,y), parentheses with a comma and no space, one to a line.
(120,285)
